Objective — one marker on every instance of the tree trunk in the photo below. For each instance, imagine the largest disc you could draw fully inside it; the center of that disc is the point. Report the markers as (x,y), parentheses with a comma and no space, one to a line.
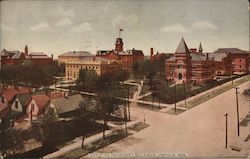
(83,141)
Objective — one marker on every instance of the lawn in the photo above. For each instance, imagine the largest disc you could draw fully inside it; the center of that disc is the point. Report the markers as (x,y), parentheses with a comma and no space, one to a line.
(97,144)
(138,126)
(214,93)
(172,111)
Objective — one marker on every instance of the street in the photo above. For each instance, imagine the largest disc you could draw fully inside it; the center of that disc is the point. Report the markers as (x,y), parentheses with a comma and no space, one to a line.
(198,132)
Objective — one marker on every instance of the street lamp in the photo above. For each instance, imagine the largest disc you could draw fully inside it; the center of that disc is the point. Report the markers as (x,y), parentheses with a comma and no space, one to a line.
(237,107)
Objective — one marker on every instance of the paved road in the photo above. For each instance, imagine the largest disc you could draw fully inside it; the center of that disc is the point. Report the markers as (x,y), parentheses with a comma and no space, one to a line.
(198,132)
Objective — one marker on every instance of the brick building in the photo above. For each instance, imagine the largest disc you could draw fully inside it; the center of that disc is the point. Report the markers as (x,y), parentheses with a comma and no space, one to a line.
(18,57)
(189,65)
(98,64)
(231,61)
(126,58)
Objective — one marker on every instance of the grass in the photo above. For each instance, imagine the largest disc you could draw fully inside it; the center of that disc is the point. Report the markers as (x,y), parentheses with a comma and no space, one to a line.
(172,111)
(138,126)
(209,95)
(98,144)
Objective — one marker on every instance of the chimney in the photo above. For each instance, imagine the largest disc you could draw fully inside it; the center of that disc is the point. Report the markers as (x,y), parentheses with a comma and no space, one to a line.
(52,56)
(151,53)
(207,56)
(26,50)
(93,58)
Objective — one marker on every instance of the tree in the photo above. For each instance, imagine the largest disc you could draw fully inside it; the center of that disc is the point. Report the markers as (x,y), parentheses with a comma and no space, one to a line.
(107,105)
(11,139)
(87,80)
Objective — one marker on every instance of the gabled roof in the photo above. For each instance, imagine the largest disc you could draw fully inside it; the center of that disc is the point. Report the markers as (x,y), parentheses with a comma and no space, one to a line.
(67,104)
(182,48)
(76,54)
(23,98)
(131,52)
(42,100)
(9,93)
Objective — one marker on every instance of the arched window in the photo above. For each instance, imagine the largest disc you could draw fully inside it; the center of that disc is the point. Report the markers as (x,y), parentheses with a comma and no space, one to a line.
(180,76)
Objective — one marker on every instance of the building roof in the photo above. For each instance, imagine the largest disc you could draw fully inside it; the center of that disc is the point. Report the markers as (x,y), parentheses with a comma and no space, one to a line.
(230,50)
(9,93)
(42,100)
(67,104)
(76,54)
(218,57)
(182,48)
(13,53)
(197,57)
(23,98)
(131,52)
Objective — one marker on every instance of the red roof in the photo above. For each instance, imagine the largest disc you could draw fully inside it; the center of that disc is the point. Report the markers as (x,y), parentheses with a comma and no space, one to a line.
(43,99)
(3,109)
(9,93)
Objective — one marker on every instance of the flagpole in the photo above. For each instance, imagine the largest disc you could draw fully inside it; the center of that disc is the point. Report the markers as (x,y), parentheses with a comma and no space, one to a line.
(119,32)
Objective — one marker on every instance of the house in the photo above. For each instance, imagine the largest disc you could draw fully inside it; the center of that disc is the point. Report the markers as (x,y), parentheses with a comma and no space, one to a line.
(65,106)
(37,104)
(19,104)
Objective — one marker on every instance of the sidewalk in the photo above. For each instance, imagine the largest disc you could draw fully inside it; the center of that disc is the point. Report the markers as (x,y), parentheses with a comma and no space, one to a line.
(78,141)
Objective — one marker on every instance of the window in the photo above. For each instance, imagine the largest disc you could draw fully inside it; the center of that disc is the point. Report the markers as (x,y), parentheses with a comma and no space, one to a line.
(16,104)
(32,107)
(240,66)
(180,76)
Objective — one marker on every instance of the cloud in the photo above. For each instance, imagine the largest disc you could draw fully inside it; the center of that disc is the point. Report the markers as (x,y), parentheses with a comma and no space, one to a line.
(64,22)
(83,27)
(174,28)
(4,27)
(121,19)
(60,11)
(204,25)
(41,27)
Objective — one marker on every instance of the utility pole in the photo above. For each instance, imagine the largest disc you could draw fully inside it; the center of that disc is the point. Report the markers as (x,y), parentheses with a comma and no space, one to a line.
(185,94)
(128,105)
(226,130)
(175,97)
(237,106)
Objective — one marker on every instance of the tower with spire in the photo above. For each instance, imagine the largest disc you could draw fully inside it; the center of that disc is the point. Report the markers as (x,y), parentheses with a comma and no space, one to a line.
(200,49)
(26,50)
(183,69)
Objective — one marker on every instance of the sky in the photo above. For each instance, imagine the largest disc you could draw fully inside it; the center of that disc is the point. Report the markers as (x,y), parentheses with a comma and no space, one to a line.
(56,27)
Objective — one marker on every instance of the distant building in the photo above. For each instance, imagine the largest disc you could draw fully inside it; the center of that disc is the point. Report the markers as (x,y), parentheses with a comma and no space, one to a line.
(231,61)
(73,55)
(159,56)
(98,64)
(126,58)
(18,57)
(189,66)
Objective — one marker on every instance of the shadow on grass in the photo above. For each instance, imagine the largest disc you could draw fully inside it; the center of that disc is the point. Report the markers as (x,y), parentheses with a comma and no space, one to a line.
(98,144)
(138,126)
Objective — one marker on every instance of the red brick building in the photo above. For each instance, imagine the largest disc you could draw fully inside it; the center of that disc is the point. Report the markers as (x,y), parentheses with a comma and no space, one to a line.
(231,61)
(126,58)
(189,66)
(17,57)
